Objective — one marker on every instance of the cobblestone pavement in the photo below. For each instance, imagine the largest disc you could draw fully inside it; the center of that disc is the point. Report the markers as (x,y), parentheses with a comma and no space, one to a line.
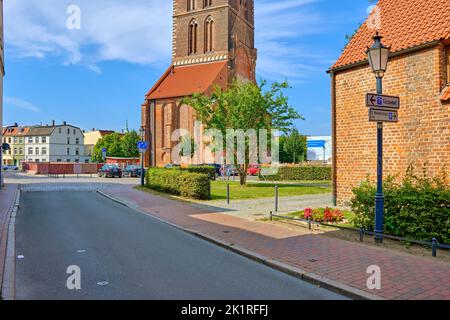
(403,276)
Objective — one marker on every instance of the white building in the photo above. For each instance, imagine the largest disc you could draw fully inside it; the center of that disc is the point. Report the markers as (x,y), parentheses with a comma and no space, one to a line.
(320,149)
(56,143)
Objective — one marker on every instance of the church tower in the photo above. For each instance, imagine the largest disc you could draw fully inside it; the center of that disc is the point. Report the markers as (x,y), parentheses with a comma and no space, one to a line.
(215,30)
(213,43)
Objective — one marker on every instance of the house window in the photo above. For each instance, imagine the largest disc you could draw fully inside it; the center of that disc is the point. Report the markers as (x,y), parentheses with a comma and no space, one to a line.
(37,151)
(74,132)
(207,3)
(77,151)
(59,130)
(15,140)
(86,161)
(192,37)
(15,151)
(68,151)
(68,140)
(77,140)
(30,150)
(68,160)
(68,131)
(209,25)
(44,139)
(44,151)
(30,140)
(58,160)
(20,151)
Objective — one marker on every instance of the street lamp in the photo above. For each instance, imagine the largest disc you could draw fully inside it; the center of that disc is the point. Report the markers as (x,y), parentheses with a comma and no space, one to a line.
(142,134)
(378,56)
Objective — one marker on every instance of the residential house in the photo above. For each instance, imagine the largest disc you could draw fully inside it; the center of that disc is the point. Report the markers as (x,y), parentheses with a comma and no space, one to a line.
(418,32)
(14,136)
(55,143)
(92,137)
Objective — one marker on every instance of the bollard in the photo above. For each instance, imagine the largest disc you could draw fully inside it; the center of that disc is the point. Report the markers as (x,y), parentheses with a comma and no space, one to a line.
(271,216)
(228,193)
(309,223)
(361,234)
(276,198)
(434,245)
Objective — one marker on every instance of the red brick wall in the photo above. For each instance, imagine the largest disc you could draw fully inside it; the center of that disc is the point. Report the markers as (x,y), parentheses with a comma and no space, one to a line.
(422,134)
(60,168)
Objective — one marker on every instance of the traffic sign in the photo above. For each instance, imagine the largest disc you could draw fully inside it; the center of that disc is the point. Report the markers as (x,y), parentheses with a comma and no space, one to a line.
(142,146)
(383,115)
(316,143)
(382,101)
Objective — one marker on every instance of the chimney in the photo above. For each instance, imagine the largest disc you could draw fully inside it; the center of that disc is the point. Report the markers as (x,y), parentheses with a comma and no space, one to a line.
(53,123)
(15,124)
(64,123)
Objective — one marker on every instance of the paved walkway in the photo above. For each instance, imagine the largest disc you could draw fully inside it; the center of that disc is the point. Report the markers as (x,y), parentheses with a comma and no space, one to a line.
(255,209)
(403,276)
(7,198)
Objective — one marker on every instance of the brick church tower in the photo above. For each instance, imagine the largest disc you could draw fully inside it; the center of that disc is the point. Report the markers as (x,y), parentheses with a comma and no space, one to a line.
(213,43)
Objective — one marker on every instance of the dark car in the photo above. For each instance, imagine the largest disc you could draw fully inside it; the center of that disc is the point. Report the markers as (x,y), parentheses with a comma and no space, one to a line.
(110,171)
(132,171)
(216,166)
(10,167)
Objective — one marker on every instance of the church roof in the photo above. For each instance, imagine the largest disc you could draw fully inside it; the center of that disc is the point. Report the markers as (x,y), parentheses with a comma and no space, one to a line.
(182,81)
(404,24)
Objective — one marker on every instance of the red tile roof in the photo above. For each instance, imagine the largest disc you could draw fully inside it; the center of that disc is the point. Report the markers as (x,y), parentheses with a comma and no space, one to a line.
(404,24)
(185,80)
(15,131)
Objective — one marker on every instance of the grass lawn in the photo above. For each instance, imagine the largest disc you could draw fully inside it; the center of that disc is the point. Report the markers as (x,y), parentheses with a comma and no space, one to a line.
(261,190)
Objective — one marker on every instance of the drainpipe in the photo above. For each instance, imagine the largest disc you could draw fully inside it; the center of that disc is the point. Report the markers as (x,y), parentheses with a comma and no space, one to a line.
(333,129)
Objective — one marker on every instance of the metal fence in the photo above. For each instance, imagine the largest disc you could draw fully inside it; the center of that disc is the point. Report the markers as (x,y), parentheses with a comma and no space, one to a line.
(433,244)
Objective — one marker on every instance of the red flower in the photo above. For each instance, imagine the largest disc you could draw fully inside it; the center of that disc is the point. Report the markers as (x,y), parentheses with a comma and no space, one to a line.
(308,213)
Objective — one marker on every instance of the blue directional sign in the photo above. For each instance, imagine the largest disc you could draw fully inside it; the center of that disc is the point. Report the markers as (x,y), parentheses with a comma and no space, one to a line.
(316,144)
(104,150)
(142,146)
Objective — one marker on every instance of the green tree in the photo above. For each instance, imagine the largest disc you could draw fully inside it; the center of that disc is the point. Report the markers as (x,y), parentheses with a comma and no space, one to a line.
(129,144)
(295,147)
(112,144)
(245,106)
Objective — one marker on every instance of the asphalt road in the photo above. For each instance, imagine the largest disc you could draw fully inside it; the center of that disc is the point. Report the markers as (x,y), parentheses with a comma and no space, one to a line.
(123,254)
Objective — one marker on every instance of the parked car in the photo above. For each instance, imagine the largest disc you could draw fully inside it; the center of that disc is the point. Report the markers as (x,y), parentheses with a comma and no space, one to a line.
(216,166)
(230,171)
(110,171)
(253,169)
(132,171)
(10,168)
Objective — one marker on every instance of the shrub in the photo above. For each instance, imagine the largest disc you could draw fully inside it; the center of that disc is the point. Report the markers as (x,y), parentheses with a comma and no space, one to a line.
(208,170)
(180,183)
(322,173)
(415,208)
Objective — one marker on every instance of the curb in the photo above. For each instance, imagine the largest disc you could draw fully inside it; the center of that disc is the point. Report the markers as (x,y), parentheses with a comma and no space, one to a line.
(9,283)
(312,278)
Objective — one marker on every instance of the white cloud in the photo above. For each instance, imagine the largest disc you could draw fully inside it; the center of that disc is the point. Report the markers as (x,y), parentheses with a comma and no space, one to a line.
(21,104)
(139,31)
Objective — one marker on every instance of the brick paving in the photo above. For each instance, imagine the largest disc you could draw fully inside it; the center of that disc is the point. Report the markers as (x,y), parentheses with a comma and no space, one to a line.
(7,198)
(403,276)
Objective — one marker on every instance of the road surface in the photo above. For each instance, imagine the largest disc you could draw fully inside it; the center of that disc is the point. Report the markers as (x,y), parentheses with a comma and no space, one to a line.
(123,254)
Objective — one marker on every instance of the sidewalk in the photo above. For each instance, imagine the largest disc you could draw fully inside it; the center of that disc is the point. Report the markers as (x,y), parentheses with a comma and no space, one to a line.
(7,198)
(403,276)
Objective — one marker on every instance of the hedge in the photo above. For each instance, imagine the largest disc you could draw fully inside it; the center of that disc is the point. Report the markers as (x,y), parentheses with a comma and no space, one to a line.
(209,170)
(322,173)
(416,208)
(180,183)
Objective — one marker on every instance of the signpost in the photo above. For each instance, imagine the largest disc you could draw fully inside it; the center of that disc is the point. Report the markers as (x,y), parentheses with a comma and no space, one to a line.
(104,154)
(142,146)
(382,115)
(316,144)
(382,101)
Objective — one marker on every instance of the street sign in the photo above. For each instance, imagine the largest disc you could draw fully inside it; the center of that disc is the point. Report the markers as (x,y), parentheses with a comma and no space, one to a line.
(382,101)
(104,154)
(142,146)
(383,115)
(316,144)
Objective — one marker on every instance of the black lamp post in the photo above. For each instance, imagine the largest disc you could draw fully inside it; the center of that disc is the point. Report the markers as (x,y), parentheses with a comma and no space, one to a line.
(378,56)
(142,134)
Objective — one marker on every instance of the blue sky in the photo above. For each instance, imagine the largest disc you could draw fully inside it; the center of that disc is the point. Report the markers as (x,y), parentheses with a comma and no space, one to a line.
(96,77)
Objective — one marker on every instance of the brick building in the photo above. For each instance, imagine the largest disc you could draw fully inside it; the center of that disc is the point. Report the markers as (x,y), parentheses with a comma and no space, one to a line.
(213,43)
(418,32)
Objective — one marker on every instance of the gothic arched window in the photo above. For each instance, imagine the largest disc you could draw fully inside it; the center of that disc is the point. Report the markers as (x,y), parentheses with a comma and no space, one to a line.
(209,34)
(192,38)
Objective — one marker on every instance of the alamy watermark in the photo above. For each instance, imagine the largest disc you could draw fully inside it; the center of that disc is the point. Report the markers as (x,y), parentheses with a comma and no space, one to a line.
(74,17)
(374,281)
(74,280)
